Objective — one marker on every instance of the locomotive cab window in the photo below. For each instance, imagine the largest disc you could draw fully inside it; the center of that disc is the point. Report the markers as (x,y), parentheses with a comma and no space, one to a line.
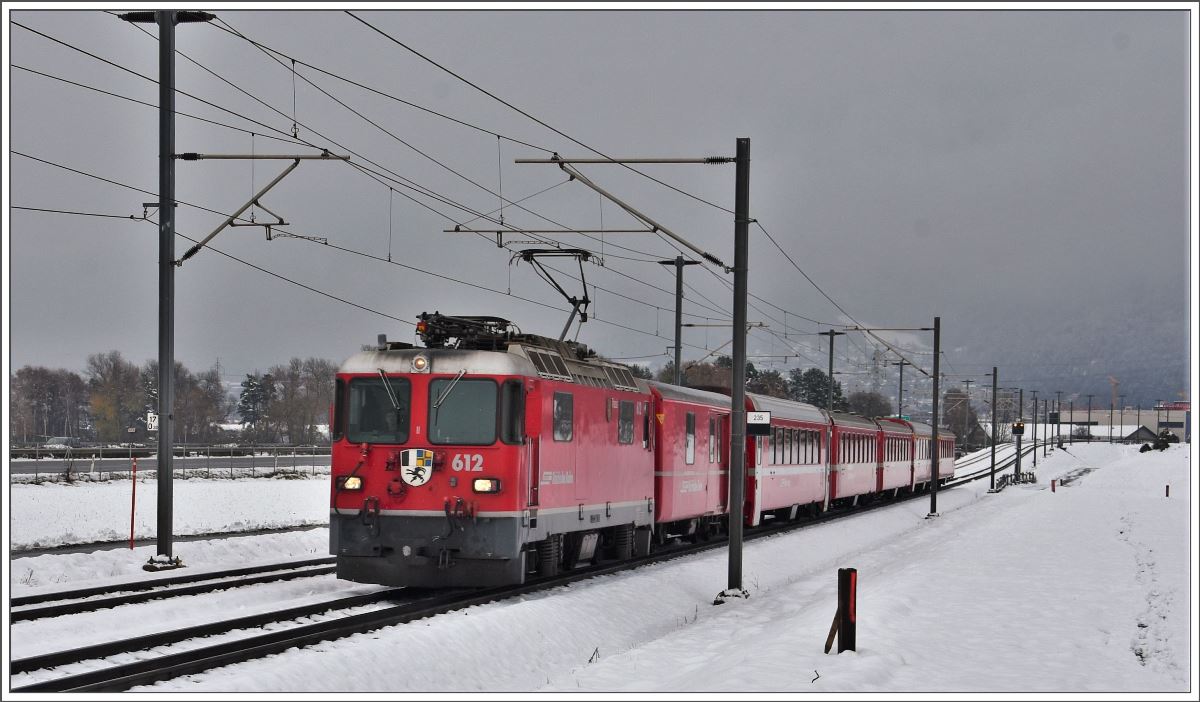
(512,412)
(371,417)
(462,411)
(564,416)
(339,410)
(625,423)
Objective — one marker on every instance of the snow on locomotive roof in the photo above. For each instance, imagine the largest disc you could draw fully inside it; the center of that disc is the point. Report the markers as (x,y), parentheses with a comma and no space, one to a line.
(517,360)
(440,361)
(787,409)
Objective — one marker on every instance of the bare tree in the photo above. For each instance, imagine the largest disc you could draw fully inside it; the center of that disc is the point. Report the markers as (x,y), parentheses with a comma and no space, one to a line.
(116,398)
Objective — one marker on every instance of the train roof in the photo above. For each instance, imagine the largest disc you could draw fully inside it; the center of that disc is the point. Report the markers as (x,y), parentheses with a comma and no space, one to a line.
(844,419)
(919,428)
(440,361)
(788,409)
(518,359)
(894,426)
(683,394)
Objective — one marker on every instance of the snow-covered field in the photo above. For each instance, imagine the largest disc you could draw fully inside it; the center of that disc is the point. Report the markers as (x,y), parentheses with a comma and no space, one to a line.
(1090,588)
(55,514)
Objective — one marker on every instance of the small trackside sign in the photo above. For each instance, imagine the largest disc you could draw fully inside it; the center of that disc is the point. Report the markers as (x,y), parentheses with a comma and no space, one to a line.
(758,423)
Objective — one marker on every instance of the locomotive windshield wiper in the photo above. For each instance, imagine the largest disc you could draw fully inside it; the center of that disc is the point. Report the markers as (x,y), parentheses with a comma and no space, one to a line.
(446,392)
(387,385)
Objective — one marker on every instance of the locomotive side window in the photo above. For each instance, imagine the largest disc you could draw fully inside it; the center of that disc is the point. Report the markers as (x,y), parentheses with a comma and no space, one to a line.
(339,410)
(371,417)
(467,413)
(690,439)
(564,416)
(512,412)
(625,423)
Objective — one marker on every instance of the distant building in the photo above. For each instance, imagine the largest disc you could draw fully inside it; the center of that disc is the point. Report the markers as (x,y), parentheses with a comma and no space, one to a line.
(1175,416)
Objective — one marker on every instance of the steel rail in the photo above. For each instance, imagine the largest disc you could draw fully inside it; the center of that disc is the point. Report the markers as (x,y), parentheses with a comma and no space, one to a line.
(150,584)
(56,610)
(148,641)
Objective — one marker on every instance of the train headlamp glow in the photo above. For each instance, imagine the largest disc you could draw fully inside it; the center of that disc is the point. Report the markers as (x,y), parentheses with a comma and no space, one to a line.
(489,485)
(420,364)
(349,482)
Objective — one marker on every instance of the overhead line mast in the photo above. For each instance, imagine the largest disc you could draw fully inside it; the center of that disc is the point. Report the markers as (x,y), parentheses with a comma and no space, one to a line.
(166,21)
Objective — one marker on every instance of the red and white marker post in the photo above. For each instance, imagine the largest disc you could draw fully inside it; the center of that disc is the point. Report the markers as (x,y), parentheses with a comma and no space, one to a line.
(132,503)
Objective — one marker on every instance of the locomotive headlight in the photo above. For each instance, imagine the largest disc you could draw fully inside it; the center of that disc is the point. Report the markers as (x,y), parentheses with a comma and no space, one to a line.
(420,364)
(489,485)
(349,482)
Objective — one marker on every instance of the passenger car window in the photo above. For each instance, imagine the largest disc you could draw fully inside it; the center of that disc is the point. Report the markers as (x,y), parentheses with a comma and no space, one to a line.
(690,439)
(712,439)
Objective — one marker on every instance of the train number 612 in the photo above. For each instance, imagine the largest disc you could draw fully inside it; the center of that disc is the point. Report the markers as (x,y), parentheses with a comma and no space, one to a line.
(472,462)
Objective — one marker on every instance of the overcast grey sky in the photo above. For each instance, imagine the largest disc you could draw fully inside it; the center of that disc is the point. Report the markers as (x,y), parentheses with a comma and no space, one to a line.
(1022,174)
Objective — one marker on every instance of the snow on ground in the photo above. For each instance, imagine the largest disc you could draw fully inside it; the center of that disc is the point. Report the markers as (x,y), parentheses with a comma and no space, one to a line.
(1085,589)
(53,514)
(53,572)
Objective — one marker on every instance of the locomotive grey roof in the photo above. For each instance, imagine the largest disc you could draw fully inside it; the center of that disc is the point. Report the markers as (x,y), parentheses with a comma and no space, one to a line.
(440,361)
(923,429)
(787,409)
(843,419)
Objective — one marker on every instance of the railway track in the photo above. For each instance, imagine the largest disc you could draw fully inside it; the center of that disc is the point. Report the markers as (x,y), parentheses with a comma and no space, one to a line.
(985,472)
(405,605)
(95,598)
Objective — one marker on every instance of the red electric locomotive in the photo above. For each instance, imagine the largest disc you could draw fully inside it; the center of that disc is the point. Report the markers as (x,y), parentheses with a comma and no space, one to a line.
(485,455)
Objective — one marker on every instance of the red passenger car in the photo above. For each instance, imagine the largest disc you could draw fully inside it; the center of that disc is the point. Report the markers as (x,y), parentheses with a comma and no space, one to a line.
(895,456)
(854,469)
(786,471)
(691,460)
